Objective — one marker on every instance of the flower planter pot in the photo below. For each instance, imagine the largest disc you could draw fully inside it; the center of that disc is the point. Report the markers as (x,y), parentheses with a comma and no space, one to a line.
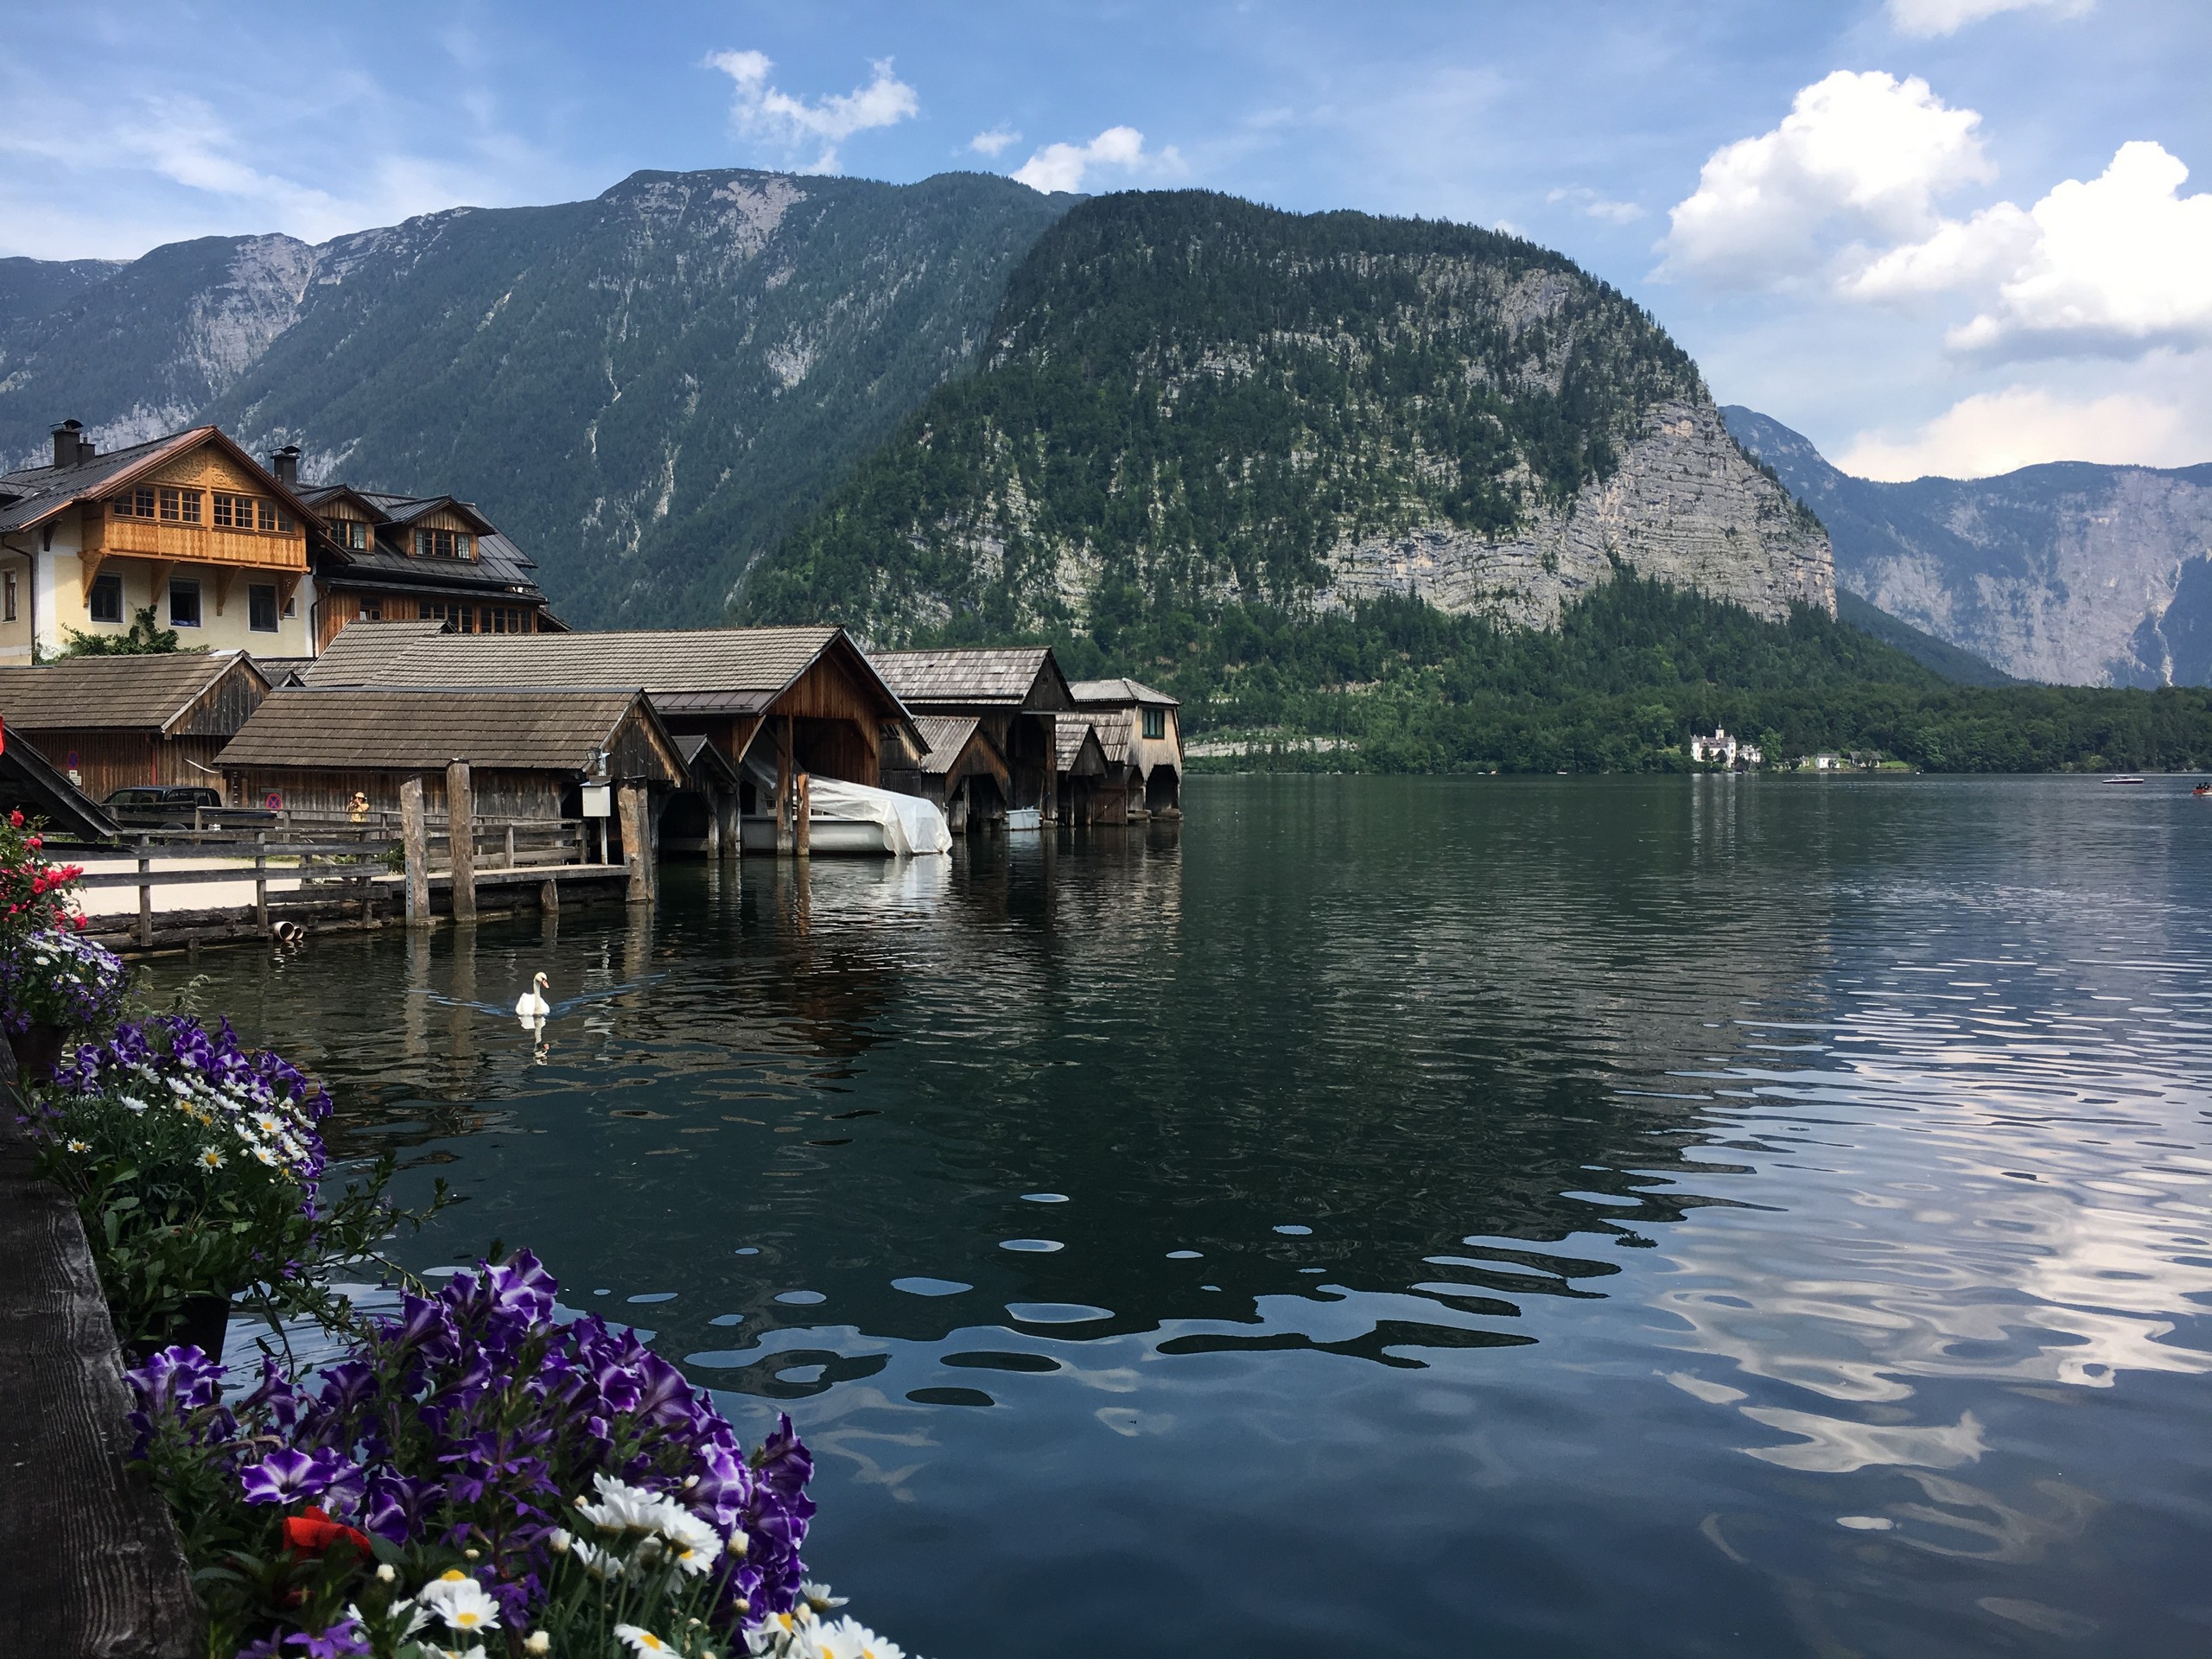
(38,1051)
(201,1323)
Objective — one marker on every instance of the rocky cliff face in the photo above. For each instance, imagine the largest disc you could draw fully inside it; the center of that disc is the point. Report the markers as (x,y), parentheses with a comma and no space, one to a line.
(1190,404)
(2073,573)
(1684,506)
(644,389)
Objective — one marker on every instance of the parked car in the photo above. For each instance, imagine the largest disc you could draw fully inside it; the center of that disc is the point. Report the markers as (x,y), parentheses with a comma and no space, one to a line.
(168,806)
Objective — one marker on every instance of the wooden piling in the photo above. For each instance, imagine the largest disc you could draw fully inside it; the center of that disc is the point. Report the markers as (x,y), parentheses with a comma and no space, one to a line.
(803,816)
(729,829)
(414,839)
(784,793)
(145,894)
(261,880)
(637,854)
(460,834)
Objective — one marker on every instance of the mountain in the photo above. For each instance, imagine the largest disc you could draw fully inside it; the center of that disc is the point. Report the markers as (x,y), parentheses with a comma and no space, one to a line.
(1946,659)
(1190,404)
(2070,572)
(644,389)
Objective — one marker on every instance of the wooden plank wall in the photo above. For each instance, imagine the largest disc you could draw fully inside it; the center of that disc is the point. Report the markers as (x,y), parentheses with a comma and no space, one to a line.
(499,794)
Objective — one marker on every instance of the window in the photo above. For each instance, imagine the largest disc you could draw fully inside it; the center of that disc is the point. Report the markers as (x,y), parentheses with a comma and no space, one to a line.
(505,619)
(184,604)
(444,544)
(1156,722)
(274,518)
(135,504)
(371,611)
(260,607)
(350,533)
(179,507)
(233,512)
(107,599)
(7,594)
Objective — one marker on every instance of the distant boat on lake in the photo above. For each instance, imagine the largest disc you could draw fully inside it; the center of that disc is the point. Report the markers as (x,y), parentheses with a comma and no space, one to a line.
(2123,780)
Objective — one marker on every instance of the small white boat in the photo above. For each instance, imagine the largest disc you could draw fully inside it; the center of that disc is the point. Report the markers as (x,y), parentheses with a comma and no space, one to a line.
(857,819)
(2123,780)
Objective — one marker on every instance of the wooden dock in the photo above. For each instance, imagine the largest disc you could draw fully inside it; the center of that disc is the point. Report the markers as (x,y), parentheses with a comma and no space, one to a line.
(92,1563)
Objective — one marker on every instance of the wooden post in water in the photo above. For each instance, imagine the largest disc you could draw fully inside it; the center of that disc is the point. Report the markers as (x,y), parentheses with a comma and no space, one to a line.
(803,815)
(784,793)
(729,829)
(145,894)
(414,839)
(637,854)
(461,832)
(549,896)
(261,880)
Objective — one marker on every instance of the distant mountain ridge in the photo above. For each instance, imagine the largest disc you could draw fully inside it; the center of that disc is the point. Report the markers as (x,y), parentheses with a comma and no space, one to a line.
(644,389)
(2071,573)
(1190,402)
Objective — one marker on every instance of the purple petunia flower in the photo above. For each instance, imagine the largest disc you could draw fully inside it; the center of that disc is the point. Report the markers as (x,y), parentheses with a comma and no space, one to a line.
(286,1477)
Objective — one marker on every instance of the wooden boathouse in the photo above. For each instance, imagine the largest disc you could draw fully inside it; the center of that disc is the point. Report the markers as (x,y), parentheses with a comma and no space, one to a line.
(962,770)
(106,722)
(1081,765)
(1142,739)
(1012,693)
(779,704)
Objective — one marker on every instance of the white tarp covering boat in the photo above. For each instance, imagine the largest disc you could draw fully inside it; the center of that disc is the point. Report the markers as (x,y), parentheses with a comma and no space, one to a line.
(908,825)
(853,818)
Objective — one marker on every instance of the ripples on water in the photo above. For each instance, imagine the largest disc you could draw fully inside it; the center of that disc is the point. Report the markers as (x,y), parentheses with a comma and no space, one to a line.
(1590,1216)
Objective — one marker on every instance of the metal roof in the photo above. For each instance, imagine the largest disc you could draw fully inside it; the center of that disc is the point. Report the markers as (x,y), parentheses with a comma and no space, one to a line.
(1119,691)
(419,730)
(1018,677)
(739,670)
(148,693)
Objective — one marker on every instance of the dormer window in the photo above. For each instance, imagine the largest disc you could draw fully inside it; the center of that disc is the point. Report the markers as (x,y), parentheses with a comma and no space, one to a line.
(444,544)
(350,534)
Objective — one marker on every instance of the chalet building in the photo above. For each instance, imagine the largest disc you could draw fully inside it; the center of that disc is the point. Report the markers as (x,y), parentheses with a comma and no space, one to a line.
(774,703)
(1014,693)
(961,769)
(310,750)
(1081,765)
(106,722)
(1143,744)
(189,526)
(391,558)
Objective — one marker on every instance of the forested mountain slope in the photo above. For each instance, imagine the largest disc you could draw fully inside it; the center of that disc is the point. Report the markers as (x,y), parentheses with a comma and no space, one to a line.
(644,389)
(1190,402)
(2073,573)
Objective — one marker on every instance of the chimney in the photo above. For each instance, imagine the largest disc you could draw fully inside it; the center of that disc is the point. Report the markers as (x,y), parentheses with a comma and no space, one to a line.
(285,463)
(67,443)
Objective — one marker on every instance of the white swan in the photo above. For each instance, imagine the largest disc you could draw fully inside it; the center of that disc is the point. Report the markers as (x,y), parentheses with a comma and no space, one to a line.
(531,1005)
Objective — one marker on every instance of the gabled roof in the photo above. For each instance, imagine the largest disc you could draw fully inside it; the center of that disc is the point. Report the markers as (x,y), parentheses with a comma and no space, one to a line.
(1121,692)
(155,693)
(705,763)
(1076,748)
(1020,676)
(28,781)
(718,671)
(406,509)
(386,728)
(45,491)
(321,497)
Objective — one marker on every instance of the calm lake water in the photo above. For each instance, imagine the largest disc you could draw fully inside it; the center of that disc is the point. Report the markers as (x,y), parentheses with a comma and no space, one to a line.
(1424,1217)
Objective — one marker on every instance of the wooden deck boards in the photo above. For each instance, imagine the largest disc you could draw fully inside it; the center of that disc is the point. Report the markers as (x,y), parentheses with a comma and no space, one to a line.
(91,1564)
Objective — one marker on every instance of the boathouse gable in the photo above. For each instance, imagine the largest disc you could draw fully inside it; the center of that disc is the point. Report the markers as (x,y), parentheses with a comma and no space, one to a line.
(1142,737)
(1012,692)
(107,722)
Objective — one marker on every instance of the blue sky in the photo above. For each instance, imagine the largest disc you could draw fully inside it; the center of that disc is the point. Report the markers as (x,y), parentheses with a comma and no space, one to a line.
(1935,235)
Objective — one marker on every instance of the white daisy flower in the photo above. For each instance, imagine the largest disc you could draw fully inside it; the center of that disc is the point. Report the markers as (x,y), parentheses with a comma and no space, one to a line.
(642,1641)
(211,1159)
(850,1639)
(817,1596)
(81,1146)
(463,1603)
(622,1507)
(131,1102)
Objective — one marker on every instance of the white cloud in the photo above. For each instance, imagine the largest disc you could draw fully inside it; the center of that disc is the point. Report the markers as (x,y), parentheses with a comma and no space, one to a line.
(1929,17)
(1998,431)
(2122,263)
(991,142)
(1962,253)
(1064,167)
(1858,156)
(760,110)
(1588,202)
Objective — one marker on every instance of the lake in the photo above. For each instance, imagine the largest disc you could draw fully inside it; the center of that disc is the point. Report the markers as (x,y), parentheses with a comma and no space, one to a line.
(1576,1216)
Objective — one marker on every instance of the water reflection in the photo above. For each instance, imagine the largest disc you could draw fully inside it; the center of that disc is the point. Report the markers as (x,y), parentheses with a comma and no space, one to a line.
(1539,1216)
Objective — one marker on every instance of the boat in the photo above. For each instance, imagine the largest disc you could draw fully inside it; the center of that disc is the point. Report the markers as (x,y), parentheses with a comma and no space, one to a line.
(2123,780)
(856,818)
(2201,789)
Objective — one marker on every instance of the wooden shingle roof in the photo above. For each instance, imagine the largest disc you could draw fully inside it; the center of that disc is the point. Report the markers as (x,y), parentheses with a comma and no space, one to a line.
(1020,676)
(1077,750)
(739,670)
(946,734)
(1121,692)
(158,692)
(382,728)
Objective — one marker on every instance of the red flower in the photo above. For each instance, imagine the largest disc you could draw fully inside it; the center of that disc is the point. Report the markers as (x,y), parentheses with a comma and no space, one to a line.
(311,1532)
(16,818)
(34,840)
